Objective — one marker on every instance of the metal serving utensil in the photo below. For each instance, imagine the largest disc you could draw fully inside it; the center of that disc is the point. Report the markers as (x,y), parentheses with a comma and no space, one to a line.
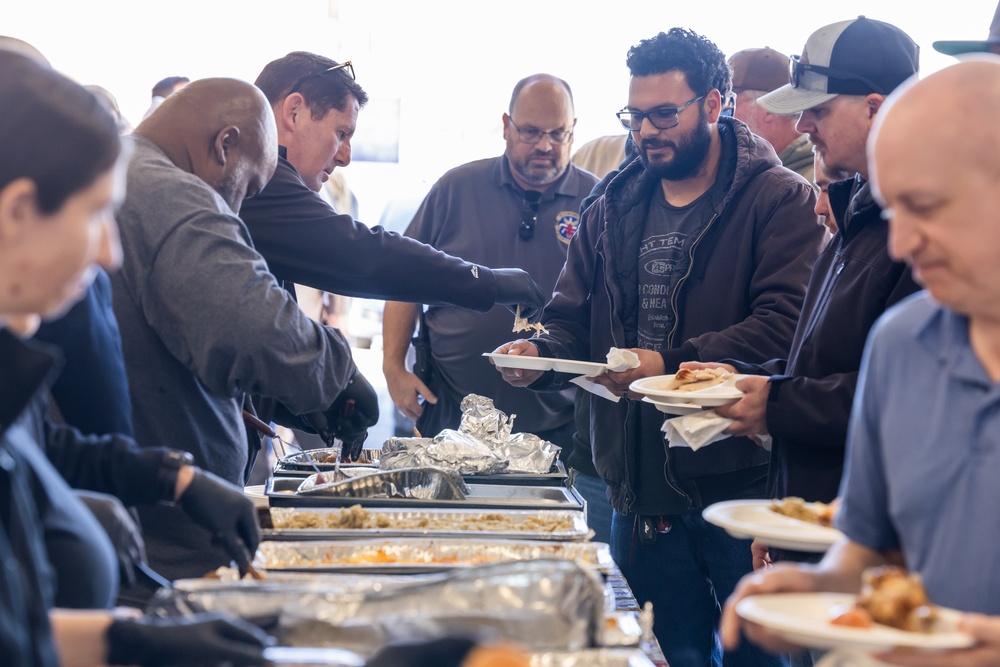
(265,429)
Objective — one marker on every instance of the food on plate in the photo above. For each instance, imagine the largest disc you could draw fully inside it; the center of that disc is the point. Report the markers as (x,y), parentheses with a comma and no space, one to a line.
(522,324)
(891,596)
(356,517)
(687,379)
(818,513)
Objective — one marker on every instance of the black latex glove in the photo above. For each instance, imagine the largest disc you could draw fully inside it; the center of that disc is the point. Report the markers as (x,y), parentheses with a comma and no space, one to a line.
(516,288)
(182,640)
(349,418)
(125,534)
(229,515)
(442,652)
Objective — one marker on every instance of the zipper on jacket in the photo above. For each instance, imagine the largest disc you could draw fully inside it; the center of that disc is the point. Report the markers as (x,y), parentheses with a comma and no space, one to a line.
(680,283)
(824,298)
(629,494)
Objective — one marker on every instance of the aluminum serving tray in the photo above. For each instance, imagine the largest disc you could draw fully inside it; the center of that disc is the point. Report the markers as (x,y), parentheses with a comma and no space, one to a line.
(281,491)
(596,657)
(399,519)
(557,476)
(412,555)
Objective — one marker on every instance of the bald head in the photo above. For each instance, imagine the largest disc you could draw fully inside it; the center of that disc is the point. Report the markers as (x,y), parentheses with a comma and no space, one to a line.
(539,103)
(221,130)
(934,166)
(20,46)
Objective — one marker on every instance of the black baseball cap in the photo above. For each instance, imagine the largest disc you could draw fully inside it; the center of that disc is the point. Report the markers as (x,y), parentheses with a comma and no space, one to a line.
(856,57)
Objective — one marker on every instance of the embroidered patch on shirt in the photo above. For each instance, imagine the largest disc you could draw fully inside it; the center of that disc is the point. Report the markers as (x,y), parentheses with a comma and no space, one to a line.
(566,224)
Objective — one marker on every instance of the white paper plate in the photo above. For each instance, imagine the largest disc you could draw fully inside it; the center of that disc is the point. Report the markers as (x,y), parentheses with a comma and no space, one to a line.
(255,492)
(721,394)
(744,519)
(673,408)
(588,368)
(804,619)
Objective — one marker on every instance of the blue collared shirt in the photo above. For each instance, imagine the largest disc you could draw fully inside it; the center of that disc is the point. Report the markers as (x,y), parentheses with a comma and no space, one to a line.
(923,462)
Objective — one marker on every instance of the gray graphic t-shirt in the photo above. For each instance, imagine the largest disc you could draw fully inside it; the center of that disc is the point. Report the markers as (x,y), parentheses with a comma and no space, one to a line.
(664,258)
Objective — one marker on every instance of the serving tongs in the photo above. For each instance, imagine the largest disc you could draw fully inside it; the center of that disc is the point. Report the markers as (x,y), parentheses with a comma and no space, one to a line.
(265,429)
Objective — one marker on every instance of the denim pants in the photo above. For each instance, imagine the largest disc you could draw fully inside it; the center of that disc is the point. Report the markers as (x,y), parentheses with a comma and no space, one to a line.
(687,573)
(595,492)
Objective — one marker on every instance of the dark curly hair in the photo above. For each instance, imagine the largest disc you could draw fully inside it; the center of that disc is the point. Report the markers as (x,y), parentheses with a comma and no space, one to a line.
(700,60)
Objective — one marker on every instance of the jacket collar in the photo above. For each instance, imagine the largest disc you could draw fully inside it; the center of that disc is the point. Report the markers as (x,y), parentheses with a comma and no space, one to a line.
(24,368)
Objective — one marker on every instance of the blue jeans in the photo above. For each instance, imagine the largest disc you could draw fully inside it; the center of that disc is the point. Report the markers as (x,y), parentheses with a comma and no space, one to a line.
(595,492)
(687,573)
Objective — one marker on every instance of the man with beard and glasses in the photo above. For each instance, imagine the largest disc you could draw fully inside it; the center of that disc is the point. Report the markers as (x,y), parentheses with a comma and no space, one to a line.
(700,248)
(519,209)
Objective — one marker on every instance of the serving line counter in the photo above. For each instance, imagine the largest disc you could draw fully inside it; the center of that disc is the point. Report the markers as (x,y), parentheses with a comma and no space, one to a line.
(520,565)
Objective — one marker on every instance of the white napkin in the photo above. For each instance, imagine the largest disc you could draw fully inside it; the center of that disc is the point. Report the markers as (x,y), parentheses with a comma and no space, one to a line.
(618,360)
(696,430)
(699,429)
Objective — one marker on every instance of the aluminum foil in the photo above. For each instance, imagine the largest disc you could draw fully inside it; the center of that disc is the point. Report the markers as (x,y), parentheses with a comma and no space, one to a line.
(483,445)
(451,450)
(598,657)
(527,452)
(422,483)
(546,605)
(423,554)
(482,420)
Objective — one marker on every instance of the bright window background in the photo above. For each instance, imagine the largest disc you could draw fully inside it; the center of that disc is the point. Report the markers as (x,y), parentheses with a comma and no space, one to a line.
(450,63)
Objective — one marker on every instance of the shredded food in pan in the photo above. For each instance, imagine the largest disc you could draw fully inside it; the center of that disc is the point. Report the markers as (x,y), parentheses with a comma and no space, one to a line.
(356,517)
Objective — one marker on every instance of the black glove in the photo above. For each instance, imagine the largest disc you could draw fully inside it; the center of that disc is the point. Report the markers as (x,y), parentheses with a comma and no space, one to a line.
(441,652)
(516,288)
(228,514)
(181,640)
(120,525)
(350,416)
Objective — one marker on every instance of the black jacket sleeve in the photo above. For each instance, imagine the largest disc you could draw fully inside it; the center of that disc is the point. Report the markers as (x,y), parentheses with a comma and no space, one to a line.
(111,464)
(305,241)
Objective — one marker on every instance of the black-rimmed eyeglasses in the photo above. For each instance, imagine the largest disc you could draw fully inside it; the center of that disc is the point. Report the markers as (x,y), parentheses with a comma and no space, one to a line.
(662,118)
(346,67)
(796,67)
(529,214)
(531,135)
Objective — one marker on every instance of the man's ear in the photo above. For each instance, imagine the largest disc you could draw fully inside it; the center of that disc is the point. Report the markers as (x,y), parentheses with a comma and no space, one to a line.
(288,110)
(225,141)
(874,102)
(18,206)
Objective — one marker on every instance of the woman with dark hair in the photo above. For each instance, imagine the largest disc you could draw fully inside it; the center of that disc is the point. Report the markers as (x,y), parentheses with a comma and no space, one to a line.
(57,187)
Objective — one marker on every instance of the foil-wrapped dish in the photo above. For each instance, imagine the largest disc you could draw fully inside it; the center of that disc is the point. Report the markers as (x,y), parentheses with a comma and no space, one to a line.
(484,444)
(545,605)
(359,522)
(424,555)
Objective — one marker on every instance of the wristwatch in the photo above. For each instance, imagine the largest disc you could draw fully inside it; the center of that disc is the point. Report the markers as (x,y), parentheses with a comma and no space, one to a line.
(171,463)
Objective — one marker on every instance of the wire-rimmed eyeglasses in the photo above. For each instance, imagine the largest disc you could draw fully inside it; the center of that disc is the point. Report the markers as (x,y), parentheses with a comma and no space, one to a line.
(346,67)
(529,214)
(796,67)
(531,135)
(662,118)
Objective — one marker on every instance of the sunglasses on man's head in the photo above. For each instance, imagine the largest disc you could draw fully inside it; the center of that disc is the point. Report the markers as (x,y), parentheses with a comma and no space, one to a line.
(345,67)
